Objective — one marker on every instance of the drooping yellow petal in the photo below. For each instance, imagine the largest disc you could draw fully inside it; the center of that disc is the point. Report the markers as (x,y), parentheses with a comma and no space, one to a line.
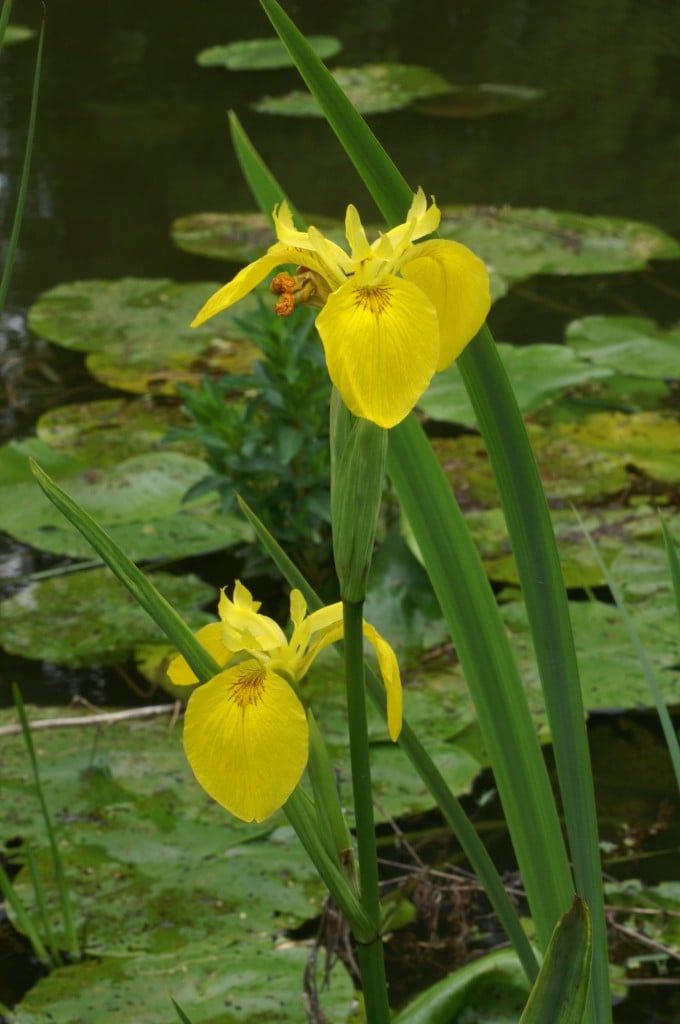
(457,283)
(210,637)
(389,670)
(243,283)
(246,739)
(382,346)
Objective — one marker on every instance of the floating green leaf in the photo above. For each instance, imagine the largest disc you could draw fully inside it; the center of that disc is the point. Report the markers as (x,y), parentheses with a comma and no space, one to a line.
(107,431)
(521,242)
(632,345)
(479,100)
(18,34)
(537,374)
(87,618)
(140,503)
(137,332)
(14,457)
(259,54)
(372,88)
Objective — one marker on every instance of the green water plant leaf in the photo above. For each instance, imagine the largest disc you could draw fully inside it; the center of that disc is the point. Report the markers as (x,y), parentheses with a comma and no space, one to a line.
(18,34)
(478,100)
(237,237)
(104,432)
(136,332)
(538,373)
(633,346)
(372,89)
(521,242)
(215,983)
(261,54)
(14,456)
(87,618)
(140,503)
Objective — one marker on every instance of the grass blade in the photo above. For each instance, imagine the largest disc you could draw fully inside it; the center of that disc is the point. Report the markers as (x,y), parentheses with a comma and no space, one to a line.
(25,171)
(59,873)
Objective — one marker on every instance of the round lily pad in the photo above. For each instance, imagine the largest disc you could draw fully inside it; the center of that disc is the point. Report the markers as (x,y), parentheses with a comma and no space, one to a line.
(260,54)
(537,374)
(140,504)
(107,431)
(632,345)
(479,100)
(137,332)
(520,242)
(88,618)
(372,89)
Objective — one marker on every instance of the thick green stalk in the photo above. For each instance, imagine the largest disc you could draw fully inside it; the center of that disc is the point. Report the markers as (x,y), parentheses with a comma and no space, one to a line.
(371,960)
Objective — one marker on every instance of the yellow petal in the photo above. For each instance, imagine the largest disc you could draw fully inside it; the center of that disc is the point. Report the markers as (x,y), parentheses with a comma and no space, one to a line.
(243,627)
(457,283)
(382,346)
(389,670)
(246,739)
(210,637)
(243,283)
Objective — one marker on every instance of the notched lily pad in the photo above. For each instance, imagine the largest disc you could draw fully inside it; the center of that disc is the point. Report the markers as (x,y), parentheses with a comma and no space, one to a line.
(479,100)
(88,618)
(634,346)
(260,54)
(521,242)
(137,332)
(372,89)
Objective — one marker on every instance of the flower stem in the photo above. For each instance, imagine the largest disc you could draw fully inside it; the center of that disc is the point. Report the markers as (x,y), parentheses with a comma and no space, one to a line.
(370,954)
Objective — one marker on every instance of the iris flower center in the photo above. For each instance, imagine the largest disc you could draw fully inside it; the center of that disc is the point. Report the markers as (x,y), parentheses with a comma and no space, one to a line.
(248,687)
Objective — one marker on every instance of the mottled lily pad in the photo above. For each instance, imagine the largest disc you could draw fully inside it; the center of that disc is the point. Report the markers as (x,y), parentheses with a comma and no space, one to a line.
(260,54)
(107,431)
(521,242)
(612,529)
(479,100)
(632,345)
(372,89)
(140,504)
(137,332)
(14,464)
(88,618)
(537,373)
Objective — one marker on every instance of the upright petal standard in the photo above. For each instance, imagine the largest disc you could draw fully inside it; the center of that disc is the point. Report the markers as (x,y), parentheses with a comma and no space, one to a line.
(393,312)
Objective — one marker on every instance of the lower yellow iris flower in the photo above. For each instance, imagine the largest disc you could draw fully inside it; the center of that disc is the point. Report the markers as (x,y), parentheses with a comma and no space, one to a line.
(393,312)
(245,731)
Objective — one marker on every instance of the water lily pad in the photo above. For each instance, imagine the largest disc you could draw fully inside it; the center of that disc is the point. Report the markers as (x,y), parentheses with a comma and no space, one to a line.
(372,89)
(479,100)
(137,332)
(259,54)
(107,431)
(88,618)
(212,982)
(537,373)
(521,242)
(632,345)
(14,464)
(612,529)
(140,504)
(645,442)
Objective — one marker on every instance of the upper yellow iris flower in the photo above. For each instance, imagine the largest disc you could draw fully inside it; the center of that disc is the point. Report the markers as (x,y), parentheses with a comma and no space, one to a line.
(394,311)
(245,731)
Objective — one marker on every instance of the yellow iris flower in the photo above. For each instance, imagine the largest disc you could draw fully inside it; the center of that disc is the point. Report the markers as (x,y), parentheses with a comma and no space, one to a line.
(245,731)
(394,311)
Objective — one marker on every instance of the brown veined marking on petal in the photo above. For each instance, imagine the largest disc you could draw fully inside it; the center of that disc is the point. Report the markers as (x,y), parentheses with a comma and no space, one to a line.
(374,299)
(248,688)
